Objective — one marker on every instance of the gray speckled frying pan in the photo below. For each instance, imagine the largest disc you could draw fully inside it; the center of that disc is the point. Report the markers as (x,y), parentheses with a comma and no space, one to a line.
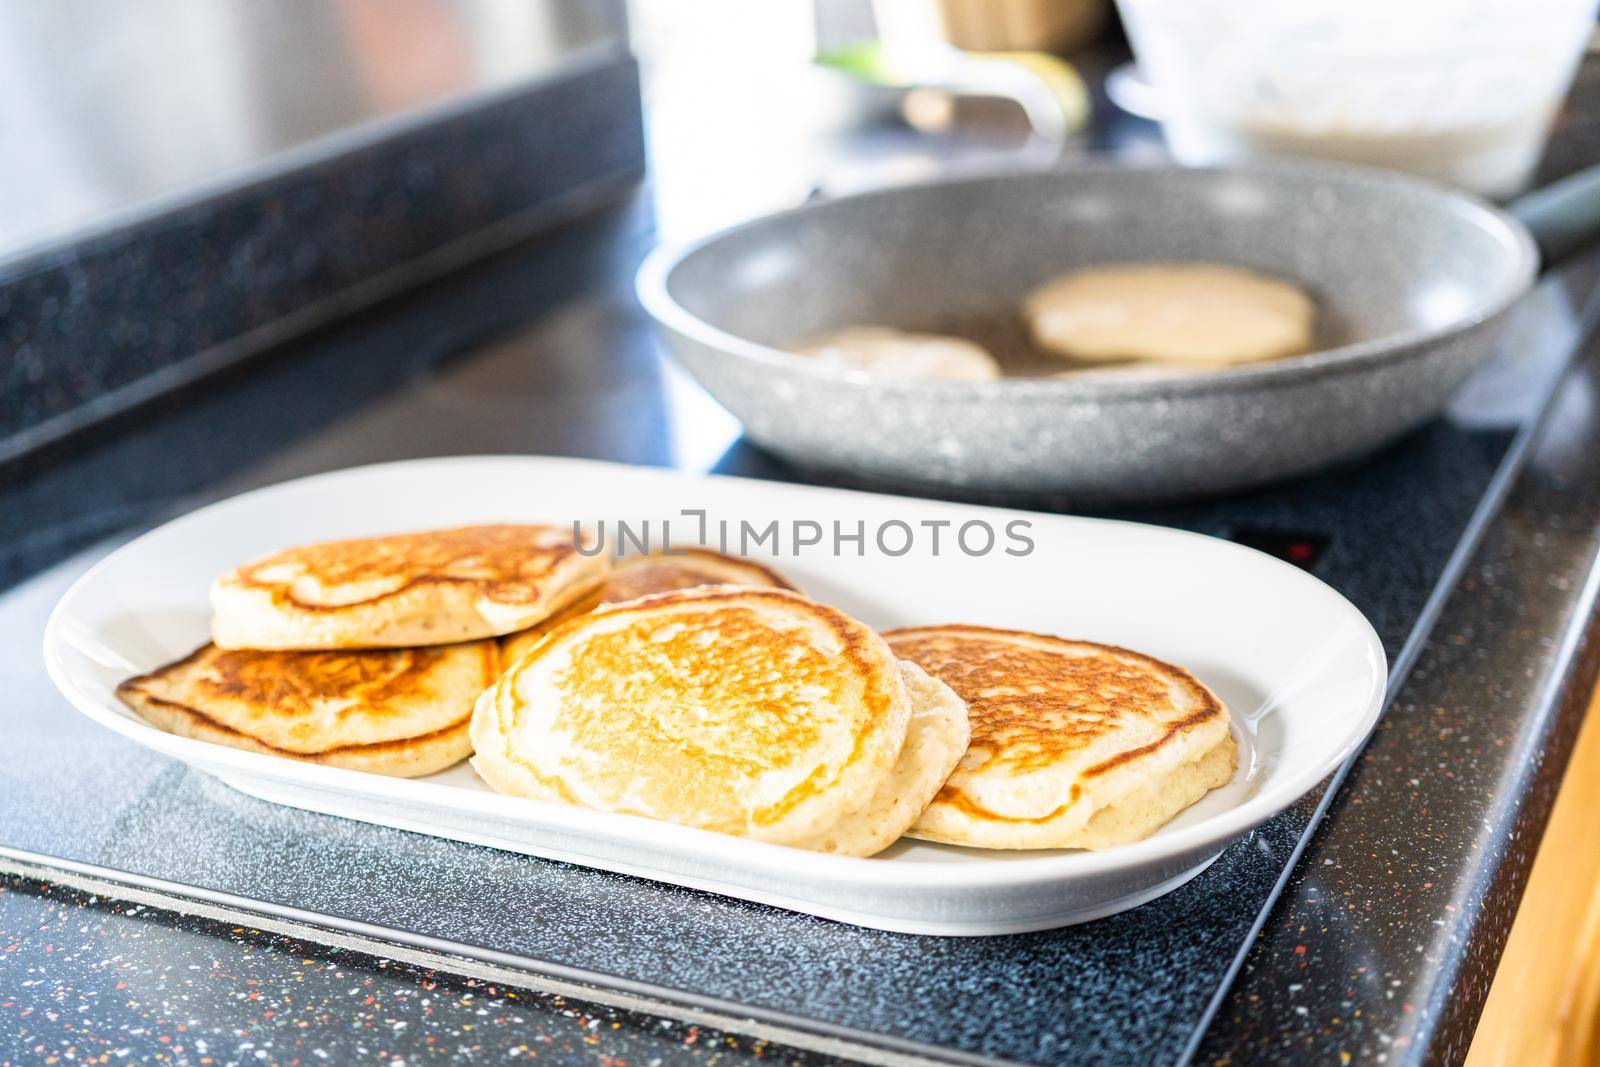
(1412,283)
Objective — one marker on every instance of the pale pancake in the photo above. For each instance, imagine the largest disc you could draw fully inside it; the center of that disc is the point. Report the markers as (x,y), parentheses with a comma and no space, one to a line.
(753,712)
(935,741)
(430,588)
(1074,744)
(886,353)
(636,576)
(1198,315)
(402,712)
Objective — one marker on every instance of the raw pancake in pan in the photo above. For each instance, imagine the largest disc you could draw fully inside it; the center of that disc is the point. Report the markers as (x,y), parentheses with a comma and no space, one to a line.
(430,588)
(753,712)
(402,712)
(1199,315)
(1074,744)
(889,353)
(637,576)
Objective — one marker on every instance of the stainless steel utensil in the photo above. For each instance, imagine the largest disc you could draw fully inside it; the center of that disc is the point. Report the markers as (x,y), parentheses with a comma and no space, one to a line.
(1412,282)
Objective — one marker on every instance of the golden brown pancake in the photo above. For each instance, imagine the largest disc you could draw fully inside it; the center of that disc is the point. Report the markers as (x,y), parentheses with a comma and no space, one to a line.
(753,712)
(411,757)
(402,712)
(936,738)
(514,646)
(403,590)
(636,576)
(1074,744)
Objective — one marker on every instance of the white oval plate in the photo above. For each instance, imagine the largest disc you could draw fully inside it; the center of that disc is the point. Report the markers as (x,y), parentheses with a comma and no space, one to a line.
(1300,668)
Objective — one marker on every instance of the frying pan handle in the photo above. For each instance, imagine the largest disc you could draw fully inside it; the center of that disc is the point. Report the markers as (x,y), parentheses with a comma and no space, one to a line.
(1564,216)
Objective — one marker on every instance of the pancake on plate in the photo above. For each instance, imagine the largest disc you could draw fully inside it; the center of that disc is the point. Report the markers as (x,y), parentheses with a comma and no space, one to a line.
(1074,744)
(637,576)
(403,713)
(431,588)
(753,712)
(936,737)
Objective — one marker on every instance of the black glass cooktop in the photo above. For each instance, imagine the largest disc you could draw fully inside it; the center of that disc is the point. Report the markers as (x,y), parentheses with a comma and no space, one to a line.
(544,351)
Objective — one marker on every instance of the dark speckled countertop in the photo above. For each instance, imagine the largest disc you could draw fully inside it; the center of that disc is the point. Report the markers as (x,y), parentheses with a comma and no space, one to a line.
(91,980)
(1366,933)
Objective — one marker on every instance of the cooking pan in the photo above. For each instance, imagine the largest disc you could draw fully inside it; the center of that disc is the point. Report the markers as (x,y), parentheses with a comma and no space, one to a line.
(1413,282)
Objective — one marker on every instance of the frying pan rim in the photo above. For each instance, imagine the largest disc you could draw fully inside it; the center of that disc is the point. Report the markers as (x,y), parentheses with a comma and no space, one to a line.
(651,286)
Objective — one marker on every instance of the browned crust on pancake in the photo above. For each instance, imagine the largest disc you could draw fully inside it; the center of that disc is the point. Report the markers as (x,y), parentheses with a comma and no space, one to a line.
(250,742)
(994,631)
(410,753)
(853,639)
(518,568)
(852,644)
(1209,709)
(773,578)
(581,605)
(678,571)
(581,600)
(276,678)
(305,683)
(671,574)
(955,797)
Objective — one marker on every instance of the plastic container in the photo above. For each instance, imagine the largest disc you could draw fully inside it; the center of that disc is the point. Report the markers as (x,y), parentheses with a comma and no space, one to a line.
(1458,90)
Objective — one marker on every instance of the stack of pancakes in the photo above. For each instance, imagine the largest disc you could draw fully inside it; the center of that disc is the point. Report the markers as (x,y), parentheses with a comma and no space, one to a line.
(365,654)
(694,688)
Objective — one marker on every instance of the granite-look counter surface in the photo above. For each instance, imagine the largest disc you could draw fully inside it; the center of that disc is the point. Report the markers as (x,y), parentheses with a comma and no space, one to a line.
(542,350)
(1368,936)
(91,980)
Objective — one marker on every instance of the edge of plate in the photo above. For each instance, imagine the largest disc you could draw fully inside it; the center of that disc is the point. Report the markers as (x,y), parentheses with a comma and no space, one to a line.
(1218,829)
